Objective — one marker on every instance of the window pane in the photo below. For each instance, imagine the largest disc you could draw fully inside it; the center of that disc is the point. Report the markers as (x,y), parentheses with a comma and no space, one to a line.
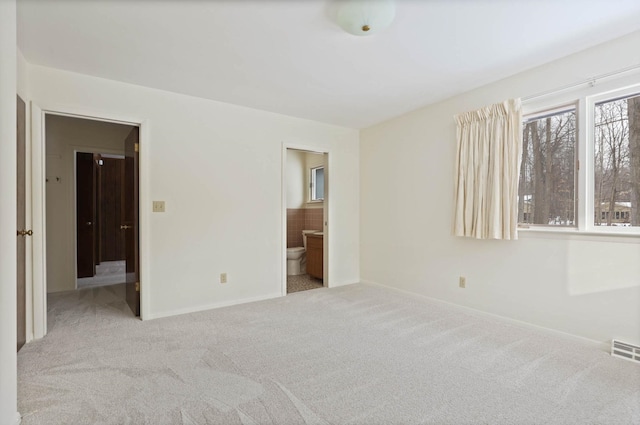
(546,193)
(319,183)
(617,162)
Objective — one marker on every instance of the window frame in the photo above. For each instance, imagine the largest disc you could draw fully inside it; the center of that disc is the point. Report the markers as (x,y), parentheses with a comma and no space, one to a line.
(312,184)
(585,98)
(538,114)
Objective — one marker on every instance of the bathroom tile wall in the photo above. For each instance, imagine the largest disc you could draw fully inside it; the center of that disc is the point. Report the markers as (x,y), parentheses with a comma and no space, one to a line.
(313,218)
(295,224)
(299,219)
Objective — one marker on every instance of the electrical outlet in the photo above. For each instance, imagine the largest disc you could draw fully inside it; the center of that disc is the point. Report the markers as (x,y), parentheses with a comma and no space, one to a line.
(463,282)
(158,206)
(223,278)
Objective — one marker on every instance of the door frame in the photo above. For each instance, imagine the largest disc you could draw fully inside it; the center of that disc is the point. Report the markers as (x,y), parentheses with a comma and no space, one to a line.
(38,198)
(21,224)
(326,211)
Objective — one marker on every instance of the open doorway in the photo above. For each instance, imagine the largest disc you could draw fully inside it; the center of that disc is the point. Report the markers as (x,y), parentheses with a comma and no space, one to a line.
(100,241)
(306,198)
(92,206)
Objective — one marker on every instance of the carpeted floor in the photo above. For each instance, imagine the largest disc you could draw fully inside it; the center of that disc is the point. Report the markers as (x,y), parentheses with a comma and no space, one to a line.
(358,354)
(107,273)
(302,282)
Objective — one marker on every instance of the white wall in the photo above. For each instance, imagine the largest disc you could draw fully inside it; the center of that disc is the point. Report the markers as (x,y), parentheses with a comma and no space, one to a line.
(583,285)
(219,169)
(8,88)
(65,135)
(22,81)
(295,178)
(298,177)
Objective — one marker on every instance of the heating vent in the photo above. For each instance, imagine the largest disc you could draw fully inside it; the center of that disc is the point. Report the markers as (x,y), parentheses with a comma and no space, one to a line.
(625,351)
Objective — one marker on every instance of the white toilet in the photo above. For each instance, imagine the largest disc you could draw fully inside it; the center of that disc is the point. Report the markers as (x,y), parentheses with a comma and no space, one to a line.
(296,260)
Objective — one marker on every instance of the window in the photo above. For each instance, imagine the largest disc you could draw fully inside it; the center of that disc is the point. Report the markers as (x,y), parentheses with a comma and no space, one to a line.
(600,130)
(317,184)
(546,192)
(616,176)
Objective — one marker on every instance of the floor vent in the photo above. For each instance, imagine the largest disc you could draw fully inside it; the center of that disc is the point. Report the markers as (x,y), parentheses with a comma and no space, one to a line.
(625,351)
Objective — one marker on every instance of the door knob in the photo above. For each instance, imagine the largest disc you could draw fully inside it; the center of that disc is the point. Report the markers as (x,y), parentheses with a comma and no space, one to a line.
(88,223)
(125,227)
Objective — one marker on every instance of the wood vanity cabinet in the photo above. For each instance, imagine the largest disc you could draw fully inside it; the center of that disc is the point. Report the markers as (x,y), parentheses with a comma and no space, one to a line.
(315,256)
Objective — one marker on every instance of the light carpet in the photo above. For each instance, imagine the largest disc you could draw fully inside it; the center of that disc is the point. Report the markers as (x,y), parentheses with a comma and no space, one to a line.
(359,354)
(107,273)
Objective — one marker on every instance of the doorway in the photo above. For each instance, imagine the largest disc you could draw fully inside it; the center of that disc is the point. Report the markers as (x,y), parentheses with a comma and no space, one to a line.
(91,189)
(100,241)
(305,218)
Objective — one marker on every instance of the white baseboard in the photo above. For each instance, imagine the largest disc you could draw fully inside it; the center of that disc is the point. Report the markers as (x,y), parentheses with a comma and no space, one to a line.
(205,307)
(604,346)
(336,285)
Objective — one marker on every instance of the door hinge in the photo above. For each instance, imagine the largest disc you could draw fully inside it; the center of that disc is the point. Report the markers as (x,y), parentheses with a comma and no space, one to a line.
(137,286)
(578,164)
(136,147)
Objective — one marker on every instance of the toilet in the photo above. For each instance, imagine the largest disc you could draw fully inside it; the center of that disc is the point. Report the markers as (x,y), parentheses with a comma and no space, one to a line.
(296,260)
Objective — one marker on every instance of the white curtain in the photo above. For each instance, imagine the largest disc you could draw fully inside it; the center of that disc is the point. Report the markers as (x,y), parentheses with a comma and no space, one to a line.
(488,168)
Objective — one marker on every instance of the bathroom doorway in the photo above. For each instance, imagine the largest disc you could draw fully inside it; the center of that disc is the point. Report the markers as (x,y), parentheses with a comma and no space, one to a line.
(305,198)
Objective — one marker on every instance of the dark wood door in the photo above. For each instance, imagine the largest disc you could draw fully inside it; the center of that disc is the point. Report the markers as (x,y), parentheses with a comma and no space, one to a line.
(85,214)
(129,224)
(21,222)
(110,188)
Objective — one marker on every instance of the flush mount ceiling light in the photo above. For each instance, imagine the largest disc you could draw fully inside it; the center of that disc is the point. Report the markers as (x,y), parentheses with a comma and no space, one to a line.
(365,17)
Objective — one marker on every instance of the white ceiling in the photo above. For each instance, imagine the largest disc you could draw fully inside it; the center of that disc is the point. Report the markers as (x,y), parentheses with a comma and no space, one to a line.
(290,57)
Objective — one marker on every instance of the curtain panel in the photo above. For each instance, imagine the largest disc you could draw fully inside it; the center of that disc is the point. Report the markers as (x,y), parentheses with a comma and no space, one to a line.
(487,171)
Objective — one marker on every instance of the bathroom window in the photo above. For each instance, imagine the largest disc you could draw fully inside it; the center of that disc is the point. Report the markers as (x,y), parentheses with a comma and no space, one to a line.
(317,184)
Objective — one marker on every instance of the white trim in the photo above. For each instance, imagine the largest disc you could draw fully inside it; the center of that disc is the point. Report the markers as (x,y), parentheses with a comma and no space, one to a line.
(29,225)
(39,217)
(206,307)
(326,222)
(573,233)
(75,112)
(38,150)
(585,160)
(144,214)
(346,283)
(326,252)
(601,345)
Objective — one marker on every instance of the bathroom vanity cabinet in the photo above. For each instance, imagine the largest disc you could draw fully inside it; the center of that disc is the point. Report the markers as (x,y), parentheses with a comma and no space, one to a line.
(315,255)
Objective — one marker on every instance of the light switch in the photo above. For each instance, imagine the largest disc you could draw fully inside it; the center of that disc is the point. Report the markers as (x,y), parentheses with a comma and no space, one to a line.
(158,206)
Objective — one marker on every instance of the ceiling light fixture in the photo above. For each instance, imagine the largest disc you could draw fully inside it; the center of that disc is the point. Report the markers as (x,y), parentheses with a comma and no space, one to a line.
(365,17)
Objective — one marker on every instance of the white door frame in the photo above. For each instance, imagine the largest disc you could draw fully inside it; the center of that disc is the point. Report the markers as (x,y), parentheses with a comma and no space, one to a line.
(326,222)
(38,199)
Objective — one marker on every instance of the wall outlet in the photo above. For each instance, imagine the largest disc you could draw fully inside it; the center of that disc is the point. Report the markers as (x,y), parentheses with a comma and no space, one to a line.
(462,282)
(158,206)
(223,278)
